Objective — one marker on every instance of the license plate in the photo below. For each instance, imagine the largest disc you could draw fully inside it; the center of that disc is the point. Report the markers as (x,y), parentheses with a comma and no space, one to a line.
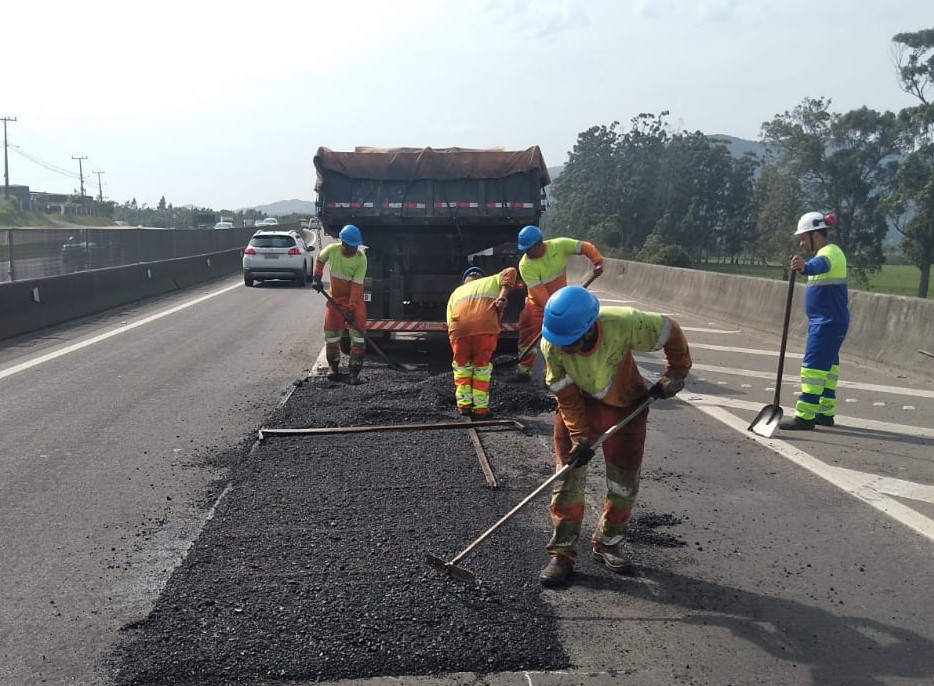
(367,296)
(271,256)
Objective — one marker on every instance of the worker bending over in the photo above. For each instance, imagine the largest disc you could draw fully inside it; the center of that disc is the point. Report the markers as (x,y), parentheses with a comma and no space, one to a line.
(474,318)
(590,368)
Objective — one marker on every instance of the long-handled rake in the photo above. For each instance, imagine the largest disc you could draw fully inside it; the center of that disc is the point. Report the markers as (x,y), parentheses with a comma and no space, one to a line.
(369,341)
(453,570)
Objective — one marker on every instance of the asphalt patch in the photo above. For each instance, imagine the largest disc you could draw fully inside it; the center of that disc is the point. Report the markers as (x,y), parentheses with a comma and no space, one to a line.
(313,565)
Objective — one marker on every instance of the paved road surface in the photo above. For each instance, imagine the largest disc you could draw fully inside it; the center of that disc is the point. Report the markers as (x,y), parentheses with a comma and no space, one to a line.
(808,556)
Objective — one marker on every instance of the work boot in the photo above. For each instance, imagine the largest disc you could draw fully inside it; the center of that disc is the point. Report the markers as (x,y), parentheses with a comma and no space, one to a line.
(797,424)
(824,420)
(355,376)
(557,572)
(465,410)
(333,374)
(614,558)
(481,412)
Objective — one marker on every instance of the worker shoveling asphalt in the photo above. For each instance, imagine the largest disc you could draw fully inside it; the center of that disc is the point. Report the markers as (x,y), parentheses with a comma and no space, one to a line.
(461,574)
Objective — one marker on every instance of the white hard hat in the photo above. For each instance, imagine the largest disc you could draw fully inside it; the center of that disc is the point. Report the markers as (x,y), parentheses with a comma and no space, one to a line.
(814,221)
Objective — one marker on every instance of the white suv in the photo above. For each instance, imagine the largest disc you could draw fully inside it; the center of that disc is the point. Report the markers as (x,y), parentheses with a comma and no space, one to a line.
(277,255)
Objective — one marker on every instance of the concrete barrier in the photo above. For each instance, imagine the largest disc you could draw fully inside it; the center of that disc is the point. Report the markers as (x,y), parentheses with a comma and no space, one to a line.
(33,304)
(886,331)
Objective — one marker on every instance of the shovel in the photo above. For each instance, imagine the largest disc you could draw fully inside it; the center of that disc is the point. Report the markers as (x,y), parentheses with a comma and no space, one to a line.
(510,360)
(461,574)
(369,341)
(769,416)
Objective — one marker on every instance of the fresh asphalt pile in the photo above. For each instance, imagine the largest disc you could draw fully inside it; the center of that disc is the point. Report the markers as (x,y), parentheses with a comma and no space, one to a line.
(313,566)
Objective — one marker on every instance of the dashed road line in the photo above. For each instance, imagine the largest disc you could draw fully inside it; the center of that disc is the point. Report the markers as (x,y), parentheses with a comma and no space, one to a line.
(869,488)
(732,371)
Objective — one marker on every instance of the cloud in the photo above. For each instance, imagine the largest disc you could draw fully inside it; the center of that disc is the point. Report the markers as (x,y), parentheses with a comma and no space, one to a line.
(541,19)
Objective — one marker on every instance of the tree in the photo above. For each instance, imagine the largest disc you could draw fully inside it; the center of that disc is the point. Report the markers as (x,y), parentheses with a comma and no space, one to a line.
(912,202)
(845,163)
(778,204)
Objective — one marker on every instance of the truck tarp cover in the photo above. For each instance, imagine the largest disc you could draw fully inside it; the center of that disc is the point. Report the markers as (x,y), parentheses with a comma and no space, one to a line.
(442,164)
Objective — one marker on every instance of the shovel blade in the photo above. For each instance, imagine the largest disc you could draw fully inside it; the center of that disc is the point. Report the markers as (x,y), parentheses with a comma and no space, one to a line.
(767,421)
(450,569)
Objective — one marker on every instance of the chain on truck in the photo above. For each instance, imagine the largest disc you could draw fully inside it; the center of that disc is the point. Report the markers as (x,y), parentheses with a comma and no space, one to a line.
(425,215)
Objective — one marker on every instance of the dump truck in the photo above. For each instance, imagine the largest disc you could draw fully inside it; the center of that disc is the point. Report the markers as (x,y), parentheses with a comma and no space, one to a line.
(426,214)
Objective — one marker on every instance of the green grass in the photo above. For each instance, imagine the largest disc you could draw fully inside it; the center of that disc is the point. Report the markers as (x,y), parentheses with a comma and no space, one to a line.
(893,279)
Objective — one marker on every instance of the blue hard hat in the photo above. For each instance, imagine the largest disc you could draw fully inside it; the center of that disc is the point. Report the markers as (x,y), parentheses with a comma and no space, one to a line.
(529,236)
(569,314)
(351,235)
(473,269)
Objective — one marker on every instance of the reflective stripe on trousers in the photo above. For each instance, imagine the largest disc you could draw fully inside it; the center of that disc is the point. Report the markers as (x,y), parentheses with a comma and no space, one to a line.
(622,454)
(473,367)
(820,370)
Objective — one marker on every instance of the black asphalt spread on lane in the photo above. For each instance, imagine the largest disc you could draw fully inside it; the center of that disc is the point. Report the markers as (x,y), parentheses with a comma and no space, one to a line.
(313,566)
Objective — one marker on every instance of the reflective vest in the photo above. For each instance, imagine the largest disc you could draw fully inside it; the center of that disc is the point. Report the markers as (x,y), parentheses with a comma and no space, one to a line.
(470,308)
(608,372)
(546,274)
(347,273)
(825,298)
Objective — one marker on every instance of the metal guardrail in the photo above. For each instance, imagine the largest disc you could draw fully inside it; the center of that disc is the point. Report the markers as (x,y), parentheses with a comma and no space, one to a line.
(36,253)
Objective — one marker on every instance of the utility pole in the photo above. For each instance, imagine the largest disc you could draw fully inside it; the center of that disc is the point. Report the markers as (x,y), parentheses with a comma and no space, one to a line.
(6,161)
(100,191)
(80,170)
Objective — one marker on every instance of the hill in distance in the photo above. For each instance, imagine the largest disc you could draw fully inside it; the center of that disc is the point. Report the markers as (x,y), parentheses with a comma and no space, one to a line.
(282,208)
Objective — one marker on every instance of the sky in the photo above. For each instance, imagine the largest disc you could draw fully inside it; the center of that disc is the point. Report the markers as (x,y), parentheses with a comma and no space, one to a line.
(224,104)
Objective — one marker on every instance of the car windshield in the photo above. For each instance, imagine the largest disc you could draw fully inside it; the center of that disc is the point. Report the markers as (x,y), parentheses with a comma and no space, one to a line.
(272,242)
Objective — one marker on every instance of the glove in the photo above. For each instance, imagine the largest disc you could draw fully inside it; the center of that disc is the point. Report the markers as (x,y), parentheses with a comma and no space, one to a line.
(666,387)
(316,284)
(580,454)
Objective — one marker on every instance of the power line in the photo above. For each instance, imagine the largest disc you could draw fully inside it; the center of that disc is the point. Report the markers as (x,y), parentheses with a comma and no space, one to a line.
(46,165)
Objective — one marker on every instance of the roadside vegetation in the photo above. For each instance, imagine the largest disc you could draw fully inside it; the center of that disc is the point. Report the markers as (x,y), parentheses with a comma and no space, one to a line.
(659,195)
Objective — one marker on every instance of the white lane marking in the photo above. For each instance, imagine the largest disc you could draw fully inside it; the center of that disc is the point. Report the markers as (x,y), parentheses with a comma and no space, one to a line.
(875,388)
(745,351)
(900,488)
(697,329)
(699,400)
(857,484)
(611,300)
(122,328)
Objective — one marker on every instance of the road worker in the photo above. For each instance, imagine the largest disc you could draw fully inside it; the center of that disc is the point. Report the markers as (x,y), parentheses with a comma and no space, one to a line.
(474,317)
(543,269)
(825,304)
(347,263)
(590,368)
